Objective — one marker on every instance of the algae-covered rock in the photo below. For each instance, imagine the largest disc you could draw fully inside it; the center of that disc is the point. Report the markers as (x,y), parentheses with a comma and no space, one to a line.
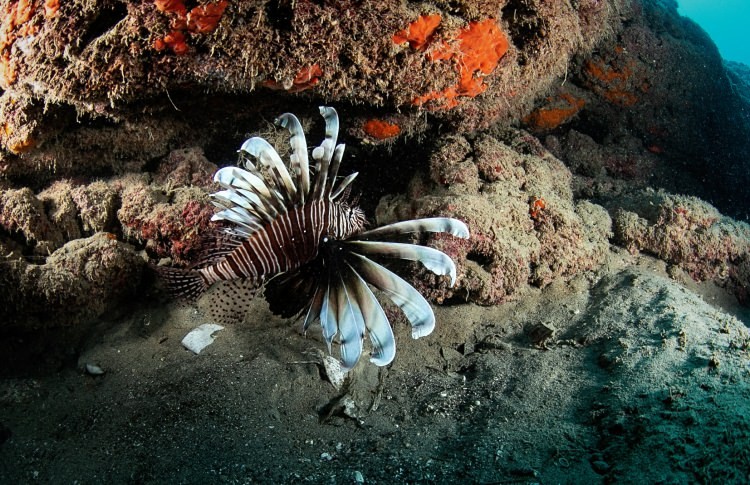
(100,86)
(517,201)
(689,233)
(76,284)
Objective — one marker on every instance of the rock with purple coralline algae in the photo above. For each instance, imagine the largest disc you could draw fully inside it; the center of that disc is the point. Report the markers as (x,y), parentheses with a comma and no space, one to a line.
(166,214)
(517,201)
(688,233)
(77,283)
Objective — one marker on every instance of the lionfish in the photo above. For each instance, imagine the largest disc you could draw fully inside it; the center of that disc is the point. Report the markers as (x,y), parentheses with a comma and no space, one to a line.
(293,233)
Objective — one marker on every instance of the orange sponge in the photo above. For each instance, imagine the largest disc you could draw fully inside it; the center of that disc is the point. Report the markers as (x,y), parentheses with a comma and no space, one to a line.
(419,33)
(480,47)
(380,129)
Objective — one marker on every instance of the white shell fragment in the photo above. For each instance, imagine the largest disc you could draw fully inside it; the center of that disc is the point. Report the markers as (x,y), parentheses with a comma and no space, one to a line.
(335,373)
(358,477)
(94,370)
(201,337)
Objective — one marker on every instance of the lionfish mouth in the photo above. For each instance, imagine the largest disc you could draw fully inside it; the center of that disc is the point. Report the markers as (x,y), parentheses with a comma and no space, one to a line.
(289,230)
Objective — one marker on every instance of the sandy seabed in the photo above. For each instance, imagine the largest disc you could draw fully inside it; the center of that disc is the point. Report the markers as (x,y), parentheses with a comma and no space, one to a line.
(619,374)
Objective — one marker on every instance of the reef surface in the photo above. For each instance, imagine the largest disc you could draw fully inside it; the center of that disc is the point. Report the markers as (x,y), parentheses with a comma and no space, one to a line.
(597,150)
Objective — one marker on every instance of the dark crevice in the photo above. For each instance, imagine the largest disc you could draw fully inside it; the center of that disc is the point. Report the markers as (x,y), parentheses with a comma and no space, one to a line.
(105,20)
(524,27)
(481,259)
(280,14)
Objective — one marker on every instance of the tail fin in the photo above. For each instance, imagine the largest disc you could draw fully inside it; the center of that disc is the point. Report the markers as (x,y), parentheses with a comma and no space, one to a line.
(186,284)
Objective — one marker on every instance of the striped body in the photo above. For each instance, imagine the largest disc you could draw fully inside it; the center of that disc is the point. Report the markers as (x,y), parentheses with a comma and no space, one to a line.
(291,240)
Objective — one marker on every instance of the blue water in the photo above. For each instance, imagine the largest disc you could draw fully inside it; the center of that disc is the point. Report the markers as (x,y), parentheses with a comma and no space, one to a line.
(726,21)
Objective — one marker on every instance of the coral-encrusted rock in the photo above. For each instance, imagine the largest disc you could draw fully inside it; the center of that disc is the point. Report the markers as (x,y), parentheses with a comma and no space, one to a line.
(660,104)
(167,217)
(185,167)
(22,214)
(52,279)
(96,204)
(168,228)
(689,233)
(145,75)
(62,209)
(78,283)
(80,209)
(517,200)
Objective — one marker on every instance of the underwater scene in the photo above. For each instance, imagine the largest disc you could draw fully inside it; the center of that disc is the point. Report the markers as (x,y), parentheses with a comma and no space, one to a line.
(374,242)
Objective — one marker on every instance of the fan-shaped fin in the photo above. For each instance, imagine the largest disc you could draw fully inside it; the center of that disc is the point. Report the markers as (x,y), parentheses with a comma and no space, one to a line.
(299,162)
(434,260)
(351,324)
(414,306)
(328,316)
(230,197)
(240,216)
(288,294)
(252,188)
(378,328)
(235,177)
(186,284)
(228,301)
(263,208)
(266,154)
(272,197)
(313,313)
(434,224)
(215,245)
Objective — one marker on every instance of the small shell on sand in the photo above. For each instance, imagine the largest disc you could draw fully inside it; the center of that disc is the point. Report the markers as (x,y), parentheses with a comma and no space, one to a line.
(94,370)
(335,373)
(201,337)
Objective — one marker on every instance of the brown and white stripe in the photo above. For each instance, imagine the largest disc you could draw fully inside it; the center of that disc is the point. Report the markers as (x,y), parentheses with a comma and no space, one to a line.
(291,240)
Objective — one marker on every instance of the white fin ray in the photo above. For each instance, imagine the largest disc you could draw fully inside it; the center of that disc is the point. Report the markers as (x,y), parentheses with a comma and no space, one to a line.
(299,162)
(378,329)
(229,198)
(414,305)
(343,185)
(326,148)
(435,224)
(321,178)
(324,153)
(351,325)
(253,188)
(333,169)
(265,210)
(226,199)
(272,195)
(328,316)
(239,216)
(268,157)
(248,216)
(436,261)
(235,177)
